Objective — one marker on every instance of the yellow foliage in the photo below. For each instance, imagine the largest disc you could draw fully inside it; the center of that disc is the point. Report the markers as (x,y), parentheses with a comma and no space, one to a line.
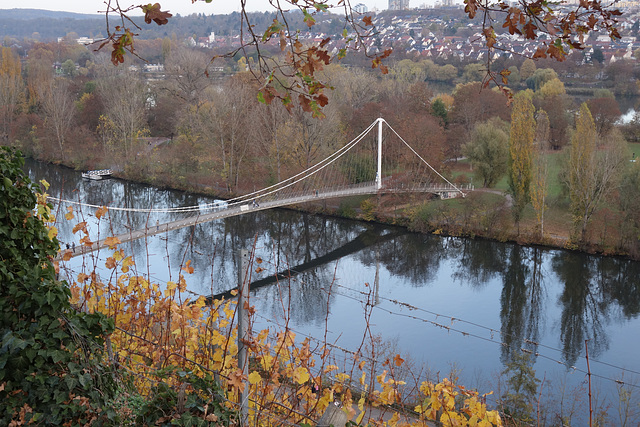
(157,328)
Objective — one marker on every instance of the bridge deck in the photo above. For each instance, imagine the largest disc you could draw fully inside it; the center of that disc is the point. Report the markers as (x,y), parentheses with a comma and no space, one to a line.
(243,208)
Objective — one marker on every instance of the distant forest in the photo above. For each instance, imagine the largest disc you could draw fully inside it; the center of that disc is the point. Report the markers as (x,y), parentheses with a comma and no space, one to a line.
(48,25)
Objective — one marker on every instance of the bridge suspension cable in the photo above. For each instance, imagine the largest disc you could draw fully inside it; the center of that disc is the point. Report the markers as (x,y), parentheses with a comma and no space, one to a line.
(423,160)
(288,182)
(344,176)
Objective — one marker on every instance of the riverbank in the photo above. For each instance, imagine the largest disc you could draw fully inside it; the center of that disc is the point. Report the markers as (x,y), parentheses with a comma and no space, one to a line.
(484,213)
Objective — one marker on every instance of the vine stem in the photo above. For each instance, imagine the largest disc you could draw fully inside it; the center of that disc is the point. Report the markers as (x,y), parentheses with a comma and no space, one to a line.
(586,348)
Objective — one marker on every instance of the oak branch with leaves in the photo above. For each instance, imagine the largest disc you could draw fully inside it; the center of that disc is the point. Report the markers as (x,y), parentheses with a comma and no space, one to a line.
(279,78)
(294,73)
(567,26)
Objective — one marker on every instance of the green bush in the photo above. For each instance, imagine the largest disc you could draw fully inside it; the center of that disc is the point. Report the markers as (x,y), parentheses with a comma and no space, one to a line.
(51,369)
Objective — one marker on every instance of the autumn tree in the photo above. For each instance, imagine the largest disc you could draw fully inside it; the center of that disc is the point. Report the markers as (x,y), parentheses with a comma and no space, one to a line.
(589,174)
(539,176)
(59,109)
(605,112)
(408,71)
(11,90)
(488,151)
(551,88)
(472,104)
(523,127)
(527,68)
(186,74)
(557,107)
(124,95)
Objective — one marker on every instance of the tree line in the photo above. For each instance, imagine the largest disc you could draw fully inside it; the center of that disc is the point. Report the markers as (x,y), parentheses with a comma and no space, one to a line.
(188,127)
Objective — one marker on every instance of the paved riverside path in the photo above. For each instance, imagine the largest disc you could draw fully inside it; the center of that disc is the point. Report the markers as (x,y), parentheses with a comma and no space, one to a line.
(244,207)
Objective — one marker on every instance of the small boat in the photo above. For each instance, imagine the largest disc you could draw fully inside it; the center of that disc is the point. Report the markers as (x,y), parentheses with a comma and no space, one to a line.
(97,174)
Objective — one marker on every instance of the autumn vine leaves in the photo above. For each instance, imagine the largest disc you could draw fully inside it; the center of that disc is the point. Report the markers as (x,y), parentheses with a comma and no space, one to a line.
(167,338)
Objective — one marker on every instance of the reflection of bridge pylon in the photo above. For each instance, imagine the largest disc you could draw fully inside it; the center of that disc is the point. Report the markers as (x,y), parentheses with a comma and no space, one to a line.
(376,280)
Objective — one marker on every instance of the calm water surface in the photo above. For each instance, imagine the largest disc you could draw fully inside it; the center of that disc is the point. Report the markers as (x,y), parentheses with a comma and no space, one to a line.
(444,303)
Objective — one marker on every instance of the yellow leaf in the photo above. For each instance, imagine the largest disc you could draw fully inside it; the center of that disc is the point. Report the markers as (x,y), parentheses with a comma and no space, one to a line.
(342,377)
(112,242)
(69,215)
(128,261)
(118,255)
(254,378)
(45,184)
(80,226)
(300,375)
(360,417)
(101,211)
(330,368)
(53,232)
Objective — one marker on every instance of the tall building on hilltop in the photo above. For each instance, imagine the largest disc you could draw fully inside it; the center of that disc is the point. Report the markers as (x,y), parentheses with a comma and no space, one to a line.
(398,4)
(361,8)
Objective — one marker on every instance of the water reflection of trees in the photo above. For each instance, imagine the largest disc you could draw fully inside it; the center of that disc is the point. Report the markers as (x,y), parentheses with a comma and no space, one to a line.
(478,260)
(583,306)
(595,290)
(520,301)
(412,256)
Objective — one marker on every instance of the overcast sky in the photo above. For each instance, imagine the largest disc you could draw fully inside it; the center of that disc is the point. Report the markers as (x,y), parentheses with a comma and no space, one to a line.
(183,7)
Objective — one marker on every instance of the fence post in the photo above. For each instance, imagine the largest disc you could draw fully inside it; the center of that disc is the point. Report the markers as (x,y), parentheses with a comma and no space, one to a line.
(333,416)
(243,328)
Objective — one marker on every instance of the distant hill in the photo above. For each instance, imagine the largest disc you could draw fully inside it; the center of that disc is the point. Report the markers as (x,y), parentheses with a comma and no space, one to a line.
(28,14)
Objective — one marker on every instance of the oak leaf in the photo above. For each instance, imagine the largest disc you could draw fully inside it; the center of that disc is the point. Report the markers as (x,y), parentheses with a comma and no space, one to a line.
(153,13)
(236,380)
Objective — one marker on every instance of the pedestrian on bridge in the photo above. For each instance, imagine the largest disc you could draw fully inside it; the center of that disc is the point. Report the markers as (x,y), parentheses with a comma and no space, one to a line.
(157,225)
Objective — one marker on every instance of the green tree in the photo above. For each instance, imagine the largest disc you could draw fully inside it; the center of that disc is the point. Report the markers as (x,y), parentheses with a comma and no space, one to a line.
(522,385)
(69,68)
(597,55)
(488,151)
(523,128)
(527,69)
(50,354)
(439,110)
(540,77)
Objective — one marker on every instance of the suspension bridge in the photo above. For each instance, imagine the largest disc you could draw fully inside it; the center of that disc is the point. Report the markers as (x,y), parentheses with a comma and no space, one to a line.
(361,167)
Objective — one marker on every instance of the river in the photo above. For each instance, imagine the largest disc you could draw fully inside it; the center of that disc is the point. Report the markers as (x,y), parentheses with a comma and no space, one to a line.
(446,304)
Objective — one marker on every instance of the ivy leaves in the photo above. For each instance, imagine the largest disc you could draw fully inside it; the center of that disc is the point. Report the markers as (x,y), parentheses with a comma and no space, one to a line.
(50,370)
